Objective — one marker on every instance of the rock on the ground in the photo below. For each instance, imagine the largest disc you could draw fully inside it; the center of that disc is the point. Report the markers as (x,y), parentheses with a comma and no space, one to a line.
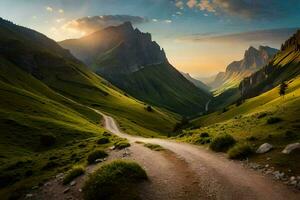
(66,190)
(264,148)
(28,196)
(291,147)
(73,183)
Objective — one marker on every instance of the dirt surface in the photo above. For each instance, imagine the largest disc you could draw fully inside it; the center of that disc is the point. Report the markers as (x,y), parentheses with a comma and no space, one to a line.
(182,171)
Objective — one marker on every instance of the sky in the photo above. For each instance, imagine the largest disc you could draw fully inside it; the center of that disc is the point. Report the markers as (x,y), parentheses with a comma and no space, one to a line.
(200,37)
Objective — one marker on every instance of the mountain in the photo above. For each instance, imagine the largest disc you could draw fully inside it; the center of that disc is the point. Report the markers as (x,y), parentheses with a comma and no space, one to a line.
(47,93)
(133,62)
(196,82)
(254,60)
(284,66)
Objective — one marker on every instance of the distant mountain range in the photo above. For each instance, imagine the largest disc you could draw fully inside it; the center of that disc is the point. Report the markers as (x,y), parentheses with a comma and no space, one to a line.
(284,66)
(133,62)
(254,59)
(197,82)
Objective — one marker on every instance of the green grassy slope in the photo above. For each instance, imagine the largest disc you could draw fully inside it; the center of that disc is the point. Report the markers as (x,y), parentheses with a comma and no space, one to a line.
(45,91)
(248,123)
(163,86)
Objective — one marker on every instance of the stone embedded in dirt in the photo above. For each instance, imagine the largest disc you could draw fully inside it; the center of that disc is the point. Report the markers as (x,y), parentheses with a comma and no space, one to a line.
(28,196)
(291,147)
(278,175)
(79,190)
(267,165)
(292,178)
(73,183)
(112,148)
(35,187)
(66,190)
(98,160)
(264,148)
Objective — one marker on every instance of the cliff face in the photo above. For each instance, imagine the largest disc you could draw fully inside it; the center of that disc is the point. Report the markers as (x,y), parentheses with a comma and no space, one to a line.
(254,59)
(284,66)
(121,49)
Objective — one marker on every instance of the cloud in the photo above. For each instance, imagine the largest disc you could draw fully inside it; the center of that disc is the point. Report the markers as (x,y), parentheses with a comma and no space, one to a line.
(92,24)
(49,9)
(248,9)
(270,35)
(168,21)
(206,5)
(61,11)
(179,4)
(191,3)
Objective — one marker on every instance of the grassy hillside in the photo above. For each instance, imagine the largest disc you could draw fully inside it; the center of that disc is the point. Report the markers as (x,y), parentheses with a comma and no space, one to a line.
(45,120)
(163,86)
(249,123)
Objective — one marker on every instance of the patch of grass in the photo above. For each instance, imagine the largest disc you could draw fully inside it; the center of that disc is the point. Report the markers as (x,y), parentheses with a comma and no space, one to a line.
(274,120)
(154,147)
(103,140)
(240,151)
(47,140)
(204,134)
(222,143)
(115,180)
(73,173)
(122,144)
(97,154)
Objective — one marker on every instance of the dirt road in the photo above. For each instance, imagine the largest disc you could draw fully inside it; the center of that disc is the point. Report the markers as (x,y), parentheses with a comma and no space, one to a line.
(192,172)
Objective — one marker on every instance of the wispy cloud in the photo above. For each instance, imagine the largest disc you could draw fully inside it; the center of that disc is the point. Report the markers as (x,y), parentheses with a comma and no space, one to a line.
(270,35)
(49,9)
(92,24)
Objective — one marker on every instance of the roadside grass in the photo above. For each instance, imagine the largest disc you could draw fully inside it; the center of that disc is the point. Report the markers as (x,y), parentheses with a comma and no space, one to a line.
(73,173)
(96,154)
(115,180)
(247,123)
(240,151)
(121,144)
(154,147)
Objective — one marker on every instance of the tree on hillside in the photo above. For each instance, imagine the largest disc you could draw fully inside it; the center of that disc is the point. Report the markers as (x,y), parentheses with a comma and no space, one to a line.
(282,88)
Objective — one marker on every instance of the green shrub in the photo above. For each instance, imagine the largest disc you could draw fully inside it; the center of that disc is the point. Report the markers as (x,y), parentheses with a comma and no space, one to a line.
(103,140)
(47,140)
(98,154)
(106,134)
(72,174)
(115,180)
(222,143)
(204,134)
(154,147)
(252,138)
(201,140)
(240,151)
(149,109)
(261,115)
(274,120)
(122,144)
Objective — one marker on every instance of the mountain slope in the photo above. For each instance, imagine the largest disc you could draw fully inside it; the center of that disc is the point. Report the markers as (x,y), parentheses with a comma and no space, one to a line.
(196,82)
(124,55)
(254,60)
(284,66)
(46,93)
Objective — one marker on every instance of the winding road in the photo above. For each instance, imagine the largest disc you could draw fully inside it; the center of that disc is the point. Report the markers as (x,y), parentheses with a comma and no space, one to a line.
(187,171)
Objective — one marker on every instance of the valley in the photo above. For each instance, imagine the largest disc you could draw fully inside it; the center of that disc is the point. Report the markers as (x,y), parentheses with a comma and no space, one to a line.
(105,115)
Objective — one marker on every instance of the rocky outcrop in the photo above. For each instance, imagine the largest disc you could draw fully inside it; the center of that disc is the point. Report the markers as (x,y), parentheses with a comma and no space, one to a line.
(121,49)
(284,66)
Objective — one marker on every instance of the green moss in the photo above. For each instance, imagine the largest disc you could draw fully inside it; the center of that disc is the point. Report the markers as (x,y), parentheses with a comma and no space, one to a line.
(116,180)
